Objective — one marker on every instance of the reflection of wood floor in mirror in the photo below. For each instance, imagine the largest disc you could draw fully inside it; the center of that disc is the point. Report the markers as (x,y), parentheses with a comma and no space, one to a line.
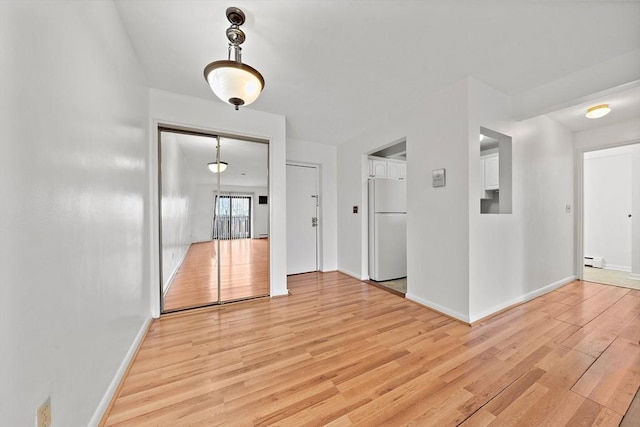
(244,273)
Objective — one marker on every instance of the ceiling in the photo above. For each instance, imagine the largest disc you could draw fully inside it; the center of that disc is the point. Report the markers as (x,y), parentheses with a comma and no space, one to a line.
(336,68)
(247,161)
(625,105)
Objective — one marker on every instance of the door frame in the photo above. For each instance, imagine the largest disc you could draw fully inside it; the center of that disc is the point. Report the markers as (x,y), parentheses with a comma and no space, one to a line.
(319,228)
(155,208)
(579,199)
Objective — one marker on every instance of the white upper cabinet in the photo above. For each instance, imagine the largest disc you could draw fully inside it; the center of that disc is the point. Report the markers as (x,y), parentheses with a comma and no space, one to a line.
(387,168)
(396,170)
(377,168)
(491,171)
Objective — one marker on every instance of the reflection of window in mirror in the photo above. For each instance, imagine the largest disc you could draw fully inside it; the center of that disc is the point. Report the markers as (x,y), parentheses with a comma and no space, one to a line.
(495,172)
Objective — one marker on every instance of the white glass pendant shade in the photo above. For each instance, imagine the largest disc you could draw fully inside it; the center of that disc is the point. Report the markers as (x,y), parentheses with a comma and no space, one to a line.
(215,167)
(234,82)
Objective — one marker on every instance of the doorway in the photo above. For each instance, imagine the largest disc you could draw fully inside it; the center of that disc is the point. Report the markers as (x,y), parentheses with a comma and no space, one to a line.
(611,232)
(214,245)
(303,222)
(387,223)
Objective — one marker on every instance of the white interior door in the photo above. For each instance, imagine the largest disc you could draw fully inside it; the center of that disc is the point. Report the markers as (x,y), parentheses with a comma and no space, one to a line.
(608,206)
(302,219)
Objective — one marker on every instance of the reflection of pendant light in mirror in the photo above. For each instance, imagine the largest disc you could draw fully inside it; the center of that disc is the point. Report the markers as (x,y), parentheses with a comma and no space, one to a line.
(232,81)
(598,111)
(217,167)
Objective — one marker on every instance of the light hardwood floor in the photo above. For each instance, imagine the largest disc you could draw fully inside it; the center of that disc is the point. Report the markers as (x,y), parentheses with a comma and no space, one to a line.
(340,352)
(244,273)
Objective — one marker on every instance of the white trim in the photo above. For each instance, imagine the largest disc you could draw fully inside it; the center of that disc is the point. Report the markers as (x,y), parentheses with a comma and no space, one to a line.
(155,294)
(109,394)
(175,270)
(285,293)
(616,267)
(634,276)
(523,298)
(437,307)
(579,197)
(319,208)
(156,122)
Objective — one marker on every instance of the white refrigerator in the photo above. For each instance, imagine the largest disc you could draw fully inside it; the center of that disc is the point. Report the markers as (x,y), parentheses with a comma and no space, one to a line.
(387,229)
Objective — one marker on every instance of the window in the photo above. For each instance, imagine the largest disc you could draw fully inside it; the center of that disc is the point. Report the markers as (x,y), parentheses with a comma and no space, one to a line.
(232,217)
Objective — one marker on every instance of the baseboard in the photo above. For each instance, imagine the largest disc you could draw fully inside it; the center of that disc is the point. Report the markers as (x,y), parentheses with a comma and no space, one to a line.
(351,273)
(175,270)
(280,294)
(99,416)
(634,276)
(437,307)
(616,267)
(521,299)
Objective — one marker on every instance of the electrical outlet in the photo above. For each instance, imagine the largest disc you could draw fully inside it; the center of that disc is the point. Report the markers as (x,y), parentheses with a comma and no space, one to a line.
(567,208)
(43,416)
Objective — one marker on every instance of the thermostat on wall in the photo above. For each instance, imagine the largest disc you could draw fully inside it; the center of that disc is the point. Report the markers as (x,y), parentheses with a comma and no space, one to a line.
(439,177)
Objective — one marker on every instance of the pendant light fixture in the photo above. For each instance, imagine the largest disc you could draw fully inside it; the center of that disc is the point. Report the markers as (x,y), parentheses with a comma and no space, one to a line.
(232,81)
(598,111)
(217,166)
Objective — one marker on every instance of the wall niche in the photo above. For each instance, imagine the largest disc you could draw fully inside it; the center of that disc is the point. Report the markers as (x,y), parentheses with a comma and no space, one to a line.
(495,172)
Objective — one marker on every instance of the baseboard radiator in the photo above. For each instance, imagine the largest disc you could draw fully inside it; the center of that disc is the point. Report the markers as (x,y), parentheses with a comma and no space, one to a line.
(593,261)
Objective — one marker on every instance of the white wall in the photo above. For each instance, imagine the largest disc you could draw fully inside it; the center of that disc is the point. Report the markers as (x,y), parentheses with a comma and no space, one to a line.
(521,255)
(622,133)
(178,194)
(74,244)
(203,212)
(515,257)
(326,157)
(544,188)
(437,218)
(607,202)
(607,136)
(495,252)
(460,262)
(178,110)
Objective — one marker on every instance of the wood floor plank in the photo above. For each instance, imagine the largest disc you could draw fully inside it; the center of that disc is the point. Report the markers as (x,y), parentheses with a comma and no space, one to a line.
(590,308)
(592,414)
(339,352)
(482,418)
(633,413)
(614,378)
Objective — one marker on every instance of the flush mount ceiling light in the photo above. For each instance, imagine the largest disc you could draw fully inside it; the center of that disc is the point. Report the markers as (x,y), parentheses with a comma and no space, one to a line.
(598,111)
(217,167)
(232,81)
